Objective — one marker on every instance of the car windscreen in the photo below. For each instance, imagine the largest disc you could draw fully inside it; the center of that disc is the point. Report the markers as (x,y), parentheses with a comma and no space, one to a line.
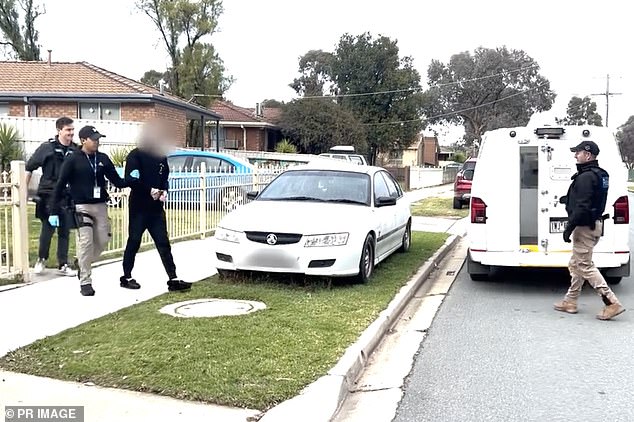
(320,186)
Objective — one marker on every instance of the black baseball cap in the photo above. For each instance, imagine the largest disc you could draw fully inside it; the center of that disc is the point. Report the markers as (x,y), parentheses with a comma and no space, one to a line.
(90,132)
(589,146)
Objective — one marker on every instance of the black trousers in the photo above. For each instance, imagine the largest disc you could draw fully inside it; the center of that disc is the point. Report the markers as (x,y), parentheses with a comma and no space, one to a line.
(156,225)
(47,231)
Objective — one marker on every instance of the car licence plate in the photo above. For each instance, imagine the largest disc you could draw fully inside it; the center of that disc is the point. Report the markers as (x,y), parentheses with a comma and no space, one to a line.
(557,225)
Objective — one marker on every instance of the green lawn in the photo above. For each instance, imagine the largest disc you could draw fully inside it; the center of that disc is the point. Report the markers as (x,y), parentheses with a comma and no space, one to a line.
(437,207)
(255,361)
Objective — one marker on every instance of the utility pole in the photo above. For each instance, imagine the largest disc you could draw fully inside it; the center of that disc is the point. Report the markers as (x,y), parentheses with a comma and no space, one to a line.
(607,95)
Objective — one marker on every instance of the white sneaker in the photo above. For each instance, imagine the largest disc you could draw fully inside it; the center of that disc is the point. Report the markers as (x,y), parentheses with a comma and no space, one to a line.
(67,271)
(39,266)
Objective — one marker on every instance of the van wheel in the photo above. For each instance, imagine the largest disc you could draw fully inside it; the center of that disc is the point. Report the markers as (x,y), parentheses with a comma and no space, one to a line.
(457,204)
(613,280)
(407,238)
(366,263)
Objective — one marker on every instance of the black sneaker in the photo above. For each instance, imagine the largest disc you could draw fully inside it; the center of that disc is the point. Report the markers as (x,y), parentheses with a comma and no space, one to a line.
(129,283)
(87,290)
(176,285)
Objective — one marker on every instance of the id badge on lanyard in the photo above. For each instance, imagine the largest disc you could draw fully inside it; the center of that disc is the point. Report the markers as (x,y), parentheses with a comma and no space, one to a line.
(96,190)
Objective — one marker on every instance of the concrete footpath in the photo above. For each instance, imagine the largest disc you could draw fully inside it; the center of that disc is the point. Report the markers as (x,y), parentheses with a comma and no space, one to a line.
(45,308)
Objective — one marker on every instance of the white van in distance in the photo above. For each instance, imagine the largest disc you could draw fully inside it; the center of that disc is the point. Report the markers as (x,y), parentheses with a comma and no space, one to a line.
(516,219)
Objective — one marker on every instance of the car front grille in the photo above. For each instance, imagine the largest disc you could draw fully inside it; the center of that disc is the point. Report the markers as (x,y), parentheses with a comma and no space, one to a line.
(280,238)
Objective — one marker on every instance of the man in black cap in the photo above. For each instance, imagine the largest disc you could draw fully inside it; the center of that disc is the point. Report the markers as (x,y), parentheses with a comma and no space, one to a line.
(85,172)
(585,203)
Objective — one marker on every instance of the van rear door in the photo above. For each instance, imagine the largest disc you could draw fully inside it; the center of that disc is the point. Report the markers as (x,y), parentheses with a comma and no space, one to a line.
(556,166)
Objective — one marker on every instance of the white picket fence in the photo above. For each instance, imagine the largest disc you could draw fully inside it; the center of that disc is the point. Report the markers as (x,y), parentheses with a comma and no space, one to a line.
(197,200)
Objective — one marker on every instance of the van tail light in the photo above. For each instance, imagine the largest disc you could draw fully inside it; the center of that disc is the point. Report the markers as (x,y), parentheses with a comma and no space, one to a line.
(622,211)
(478,211)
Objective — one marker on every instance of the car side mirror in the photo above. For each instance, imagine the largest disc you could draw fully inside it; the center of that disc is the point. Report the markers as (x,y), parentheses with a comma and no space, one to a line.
(385,201)
(468,174)
(252,195)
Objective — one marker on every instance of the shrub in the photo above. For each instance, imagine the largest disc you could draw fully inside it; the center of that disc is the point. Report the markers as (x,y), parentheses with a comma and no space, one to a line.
(10,146)
(285,146)
(118,155)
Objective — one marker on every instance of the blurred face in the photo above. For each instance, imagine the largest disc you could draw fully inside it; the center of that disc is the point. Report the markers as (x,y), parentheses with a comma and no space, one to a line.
(90,146)
(65,134)
(583,157)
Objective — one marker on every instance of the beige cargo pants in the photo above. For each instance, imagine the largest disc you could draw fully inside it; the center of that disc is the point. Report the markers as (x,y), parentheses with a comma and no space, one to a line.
(93,236)
(582,267)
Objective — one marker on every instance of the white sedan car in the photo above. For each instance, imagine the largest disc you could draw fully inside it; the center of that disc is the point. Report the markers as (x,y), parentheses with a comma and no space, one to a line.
(324,219)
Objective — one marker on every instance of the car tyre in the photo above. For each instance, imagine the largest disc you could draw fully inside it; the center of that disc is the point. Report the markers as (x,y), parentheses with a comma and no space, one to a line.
(366,263)
(407,238)
(457,204)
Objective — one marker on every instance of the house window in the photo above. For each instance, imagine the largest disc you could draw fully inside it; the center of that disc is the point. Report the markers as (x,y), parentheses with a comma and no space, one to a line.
(100,111)
(4,109)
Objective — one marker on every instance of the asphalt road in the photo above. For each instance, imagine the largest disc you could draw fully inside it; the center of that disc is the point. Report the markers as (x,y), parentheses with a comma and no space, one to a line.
(497,351)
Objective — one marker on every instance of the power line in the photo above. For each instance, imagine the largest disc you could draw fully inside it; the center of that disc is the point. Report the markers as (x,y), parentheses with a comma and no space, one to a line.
(394,91)
(457,111)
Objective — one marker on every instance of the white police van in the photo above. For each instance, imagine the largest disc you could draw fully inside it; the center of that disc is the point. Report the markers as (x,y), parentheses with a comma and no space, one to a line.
(516,219)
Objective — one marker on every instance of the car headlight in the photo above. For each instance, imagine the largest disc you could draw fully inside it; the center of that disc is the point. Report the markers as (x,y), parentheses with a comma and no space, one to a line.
(332,239)
(227,235)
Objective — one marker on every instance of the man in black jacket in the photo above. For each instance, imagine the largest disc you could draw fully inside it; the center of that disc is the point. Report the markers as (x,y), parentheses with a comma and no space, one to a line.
(85,172)
(585,204)
(147,172)
(50,156)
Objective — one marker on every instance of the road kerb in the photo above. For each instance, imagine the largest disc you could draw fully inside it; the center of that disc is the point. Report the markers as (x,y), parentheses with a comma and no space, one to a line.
(320,400)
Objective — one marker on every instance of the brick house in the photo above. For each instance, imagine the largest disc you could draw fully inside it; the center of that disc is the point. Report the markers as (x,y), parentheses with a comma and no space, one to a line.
(84,91)
(250,129)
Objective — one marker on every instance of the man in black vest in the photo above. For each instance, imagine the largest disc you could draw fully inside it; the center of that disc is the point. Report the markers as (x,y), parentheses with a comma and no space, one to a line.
(585,204)
(49,156)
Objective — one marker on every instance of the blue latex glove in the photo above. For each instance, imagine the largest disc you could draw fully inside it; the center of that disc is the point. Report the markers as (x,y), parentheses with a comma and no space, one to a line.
(53,220)
(135,174)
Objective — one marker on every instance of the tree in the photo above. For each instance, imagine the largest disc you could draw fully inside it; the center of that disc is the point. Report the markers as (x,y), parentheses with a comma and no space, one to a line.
(196,71)
(153,78)
(315,68)
(21,39)
(490,89)
(317,124)
(581,111)
(625,138)
(393,110)
(272,103)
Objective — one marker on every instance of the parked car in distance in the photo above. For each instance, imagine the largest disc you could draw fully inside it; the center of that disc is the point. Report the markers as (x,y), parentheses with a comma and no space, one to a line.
(332,219)
(462,184)
(345,153)
(227,179)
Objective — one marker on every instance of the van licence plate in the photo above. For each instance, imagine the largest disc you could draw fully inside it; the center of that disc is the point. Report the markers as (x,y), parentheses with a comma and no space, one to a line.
(557,225)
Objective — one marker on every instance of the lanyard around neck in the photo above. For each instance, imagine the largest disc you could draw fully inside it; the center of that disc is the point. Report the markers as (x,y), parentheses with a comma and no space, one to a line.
(94,166)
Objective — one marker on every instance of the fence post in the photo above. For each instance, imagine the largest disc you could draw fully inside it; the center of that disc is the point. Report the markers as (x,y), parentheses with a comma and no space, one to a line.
(203,199)
(19,217)
(407,177)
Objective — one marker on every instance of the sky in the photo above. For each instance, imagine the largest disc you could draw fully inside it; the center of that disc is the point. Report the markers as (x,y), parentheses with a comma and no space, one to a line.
(576,43)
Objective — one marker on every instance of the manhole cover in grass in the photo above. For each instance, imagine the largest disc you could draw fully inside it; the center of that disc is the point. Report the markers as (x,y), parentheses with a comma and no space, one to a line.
(209,308)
